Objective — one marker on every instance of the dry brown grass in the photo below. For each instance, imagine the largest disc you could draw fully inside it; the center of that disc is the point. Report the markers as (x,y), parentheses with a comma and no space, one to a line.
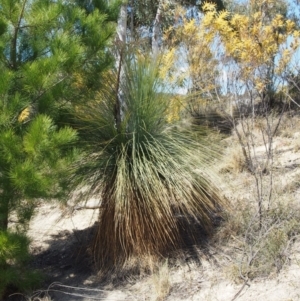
(296,142)
(290,124)
(39,298)
(260,247)
(161,281)
(234,160)
(259,243)
(259,251)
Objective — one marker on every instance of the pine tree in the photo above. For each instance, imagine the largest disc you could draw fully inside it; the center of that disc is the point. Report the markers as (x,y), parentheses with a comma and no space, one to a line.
(52,55)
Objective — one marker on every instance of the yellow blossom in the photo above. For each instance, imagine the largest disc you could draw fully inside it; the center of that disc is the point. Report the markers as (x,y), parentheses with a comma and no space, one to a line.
(167,62)
(290,25)
(278,21)
(208,6)
(24,115)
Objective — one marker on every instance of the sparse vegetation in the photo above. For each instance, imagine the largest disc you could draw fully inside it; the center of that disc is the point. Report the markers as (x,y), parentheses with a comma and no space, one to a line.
(211,174)
(260,251)
(261,243)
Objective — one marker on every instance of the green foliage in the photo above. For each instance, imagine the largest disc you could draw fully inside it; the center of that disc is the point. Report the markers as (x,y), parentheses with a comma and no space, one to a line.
(3,27)
(147,172)
(108,7)
(35,163)
(55,50)
(145,10)
(44,152)
(52,54)
(13,257)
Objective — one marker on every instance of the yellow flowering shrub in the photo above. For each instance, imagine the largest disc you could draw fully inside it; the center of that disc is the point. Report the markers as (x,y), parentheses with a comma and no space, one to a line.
(256,44)
(261,45)
(198,51)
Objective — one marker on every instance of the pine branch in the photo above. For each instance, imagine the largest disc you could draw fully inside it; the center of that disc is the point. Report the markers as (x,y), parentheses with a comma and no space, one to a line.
(13,54)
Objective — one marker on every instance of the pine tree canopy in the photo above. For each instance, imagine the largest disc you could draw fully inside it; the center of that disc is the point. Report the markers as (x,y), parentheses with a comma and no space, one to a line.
(53,51)
(52,54)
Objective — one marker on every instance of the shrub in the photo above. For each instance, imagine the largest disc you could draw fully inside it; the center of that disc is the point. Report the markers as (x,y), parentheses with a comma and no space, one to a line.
(14,256)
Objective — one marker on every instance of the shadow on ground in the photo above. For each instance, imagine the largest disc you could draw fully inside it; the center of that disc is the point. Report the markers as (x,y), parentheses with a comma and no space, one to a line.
(66,266)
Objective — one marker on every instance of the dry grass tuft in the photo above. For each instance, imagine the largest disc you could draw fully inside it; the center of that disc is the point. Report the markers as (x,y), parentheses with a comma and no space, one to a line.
(39,298)
(234,160)
(235,222)
(161,281)
(259,250)
(47,298)
(288,126)
(296,142)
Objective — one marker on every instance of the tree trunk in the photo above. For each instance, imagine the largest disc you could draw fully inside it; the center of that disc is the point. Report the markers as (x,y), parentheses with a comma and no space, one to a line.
(122,25)
(156,35)
(13,47)
(131,20)
(121,44)
(4,211)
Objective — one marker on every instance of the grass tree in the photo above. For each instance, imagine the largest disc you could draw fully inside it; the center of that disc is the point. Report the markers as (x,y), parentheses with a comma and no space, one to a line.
(149,173)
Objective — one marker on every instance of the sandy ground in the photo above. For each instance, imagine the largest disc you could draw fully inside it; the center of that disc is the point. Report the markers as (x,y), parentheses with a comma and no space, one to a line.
(58,242)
